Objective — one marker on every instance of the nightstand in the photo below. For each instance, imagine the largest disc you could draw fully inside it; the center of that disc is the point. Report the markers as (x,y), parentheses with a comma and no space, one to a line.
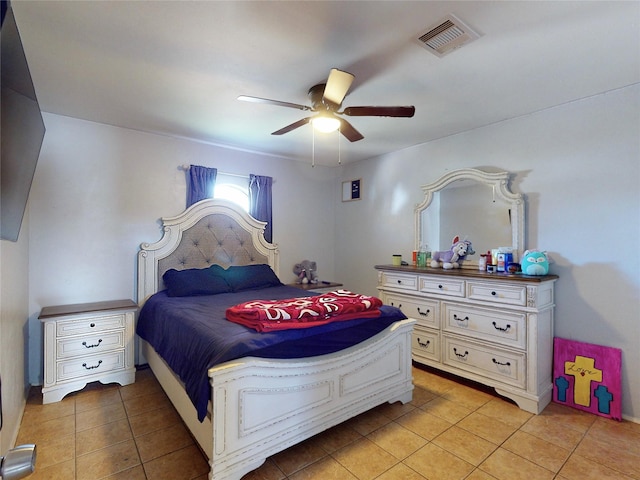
(86,343)
(320,287)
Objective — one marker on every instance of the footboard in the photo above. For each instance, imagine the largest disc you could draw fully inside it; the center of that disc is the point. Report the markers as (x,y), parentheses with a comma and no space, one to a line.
(261,407)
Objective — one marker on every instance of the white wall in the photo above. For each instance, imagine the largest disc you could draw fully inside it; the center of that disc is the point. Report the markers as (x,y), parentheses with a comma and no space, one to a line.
(579,168)
(14,301)
(99,192)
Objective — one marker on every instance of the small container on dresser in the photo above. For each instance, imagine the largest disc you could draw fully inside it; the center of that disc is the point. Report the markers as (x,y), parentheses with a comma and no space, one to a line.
(496,329)
(86,343)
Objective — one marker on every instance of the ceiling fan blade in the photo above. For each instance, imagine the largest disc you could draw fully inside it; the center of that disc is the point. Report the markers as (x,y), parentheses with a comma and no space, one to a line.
(380,111)
(278,103)
(349,131)
(338,85)
(293,126)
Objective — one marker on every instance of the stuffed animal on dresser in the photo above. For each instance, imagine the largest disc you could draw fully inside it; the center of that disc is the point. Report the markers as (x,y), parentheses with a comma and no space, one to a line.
(453,257)
(534,262)
(306,272)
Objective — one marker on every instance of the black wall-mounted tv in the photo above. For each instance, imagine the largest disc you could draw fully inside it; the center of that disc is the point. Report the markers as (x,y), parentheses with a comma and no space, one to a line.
(21,128)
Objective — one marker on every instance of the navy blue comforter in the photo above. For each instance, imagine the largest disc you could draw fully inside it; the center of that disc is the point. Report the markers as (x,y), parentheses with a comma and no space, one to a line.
(192,335)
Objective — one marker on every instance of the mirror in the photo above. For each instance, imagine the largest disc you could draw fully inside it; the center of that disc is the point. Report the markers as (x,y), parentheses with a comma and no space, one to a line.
(475,205)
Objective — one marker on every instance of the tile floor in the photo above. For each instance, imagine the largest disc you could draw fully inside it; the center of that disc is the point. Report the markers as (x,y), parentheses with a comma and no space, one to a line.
(449,431)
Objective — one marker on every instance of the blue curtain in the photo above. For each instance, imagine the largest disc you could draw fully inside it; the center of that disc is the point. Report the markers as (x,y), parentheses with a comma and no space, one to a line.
(260,202)
(201,183)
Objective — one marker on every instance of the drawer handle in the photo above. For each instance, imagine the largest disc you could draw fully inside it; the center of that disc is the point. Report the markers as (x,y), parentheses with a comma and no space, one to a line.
(92,325)
(424,344)
(505,364)
(93,366)
(399,282)
(493,293)
(424,314)
(461,355)
(458,319)
(94,345)
(399,305)
(505,329)
(440,287)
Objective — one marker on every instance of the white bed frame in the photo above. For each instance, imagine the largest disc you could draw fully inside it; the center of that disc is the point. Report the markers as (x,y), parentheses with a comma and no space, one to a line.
(263,406)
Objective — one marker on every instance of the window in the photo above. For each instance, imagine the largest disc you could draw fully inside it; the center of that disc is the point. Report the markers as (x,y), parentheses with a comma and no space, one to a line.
(232,188)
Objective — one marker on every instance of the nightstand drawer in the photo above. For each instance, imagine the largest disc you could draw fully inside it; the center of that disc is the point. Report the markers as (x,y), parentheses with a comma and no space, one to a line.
(488,361)
(506,294)
(89,344)
(442,285)
(497,326)
(89,325)
(90,365)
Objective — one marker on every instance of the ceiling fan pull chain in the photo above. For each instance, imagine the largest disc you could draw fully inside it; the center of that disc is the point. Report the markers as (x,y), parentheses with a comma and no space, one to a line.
(313,148)
(339,156)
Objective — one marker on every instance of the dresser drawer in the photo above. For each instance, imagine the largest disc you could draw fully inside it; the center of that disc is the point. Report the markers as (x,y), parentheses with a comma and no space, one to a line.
(425,343)
(506,328)
(443,286)
(90,365)
(497,293)
(425,311)
(89,344)
(491,362)
(399,280)
(89,325)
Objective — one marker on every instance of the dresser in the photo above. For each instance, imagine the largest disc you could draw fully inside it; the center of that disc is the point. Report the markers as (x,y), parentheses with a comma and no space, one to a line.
(86,343)
(492,328)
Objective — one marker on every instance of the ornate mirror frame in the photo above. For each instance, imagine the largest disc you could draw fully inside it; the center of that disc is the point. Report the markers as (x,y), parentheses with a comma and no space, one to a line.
(498,181)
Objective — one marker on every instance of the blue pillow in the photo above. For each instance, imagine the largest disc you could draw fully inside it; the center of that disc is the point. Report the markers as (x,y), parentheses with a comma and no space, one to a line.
(195,281)
(251,277)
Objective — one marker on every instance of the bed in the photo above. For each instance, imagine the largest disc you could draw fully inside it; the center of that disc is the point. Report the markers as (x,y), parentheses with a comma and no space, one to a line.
(260,404)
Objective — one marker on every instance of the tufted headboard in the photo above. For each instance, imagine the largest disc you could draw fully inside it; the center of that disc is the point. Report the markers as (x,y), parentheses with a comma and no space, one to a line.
(209,232)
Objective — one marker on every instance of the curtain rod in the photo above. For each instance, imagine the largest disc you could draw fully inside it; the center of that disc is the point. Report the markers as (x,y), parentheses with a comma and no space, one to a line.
(186,168)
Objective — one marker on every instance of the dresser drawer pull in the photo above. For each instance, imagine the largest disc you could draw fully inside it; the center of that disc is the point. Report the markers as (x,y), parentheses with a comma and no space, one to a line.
(505,364)
(424,344)
(399,305)
(92,325)
(93,366)
(458,319)
(505,329)
(399,282)
(461,355)
(94,345)
(440,287)
(493,293)
(424,314)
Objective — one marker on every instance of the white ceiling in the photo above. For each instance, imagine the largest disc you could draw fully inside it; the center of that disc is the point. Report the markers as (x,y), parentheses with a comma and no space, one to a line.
(177,68)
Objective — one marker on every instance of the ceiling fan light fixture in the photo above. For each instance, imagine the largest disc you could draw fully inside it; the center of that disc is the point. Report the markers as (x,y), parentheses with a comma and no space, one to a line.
(325,124)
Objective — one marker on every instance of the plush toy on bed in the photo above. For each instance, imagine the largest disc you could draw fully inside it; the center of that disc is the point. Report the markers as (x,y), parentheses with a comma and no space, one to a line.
(454,256)
(306,272)
(534,262)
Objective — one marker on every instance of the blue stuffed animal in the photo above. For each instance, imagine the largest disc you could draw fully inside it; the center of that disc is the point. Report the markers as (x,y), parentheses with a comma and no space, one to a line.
(454,256)
(534,262)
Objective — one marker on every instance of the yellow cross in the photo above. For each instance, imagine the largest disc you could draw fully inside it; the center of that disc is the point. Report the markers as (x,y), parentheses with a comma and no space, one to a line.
(584,372)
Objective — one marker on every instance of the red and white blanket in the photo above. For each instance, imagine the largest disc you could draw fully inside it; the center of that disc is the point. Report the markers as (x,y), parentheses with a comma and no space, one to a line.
(304,312)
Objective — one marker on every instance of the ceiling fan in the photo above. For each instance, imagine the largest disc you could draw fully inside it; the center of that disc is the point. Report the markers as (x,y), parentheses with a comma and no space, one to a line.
(326,99)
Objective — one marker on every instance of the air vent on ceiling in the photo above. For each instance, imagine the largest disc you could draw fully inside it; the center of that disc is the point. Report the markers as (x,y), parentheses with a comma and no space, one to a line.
(447,35)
